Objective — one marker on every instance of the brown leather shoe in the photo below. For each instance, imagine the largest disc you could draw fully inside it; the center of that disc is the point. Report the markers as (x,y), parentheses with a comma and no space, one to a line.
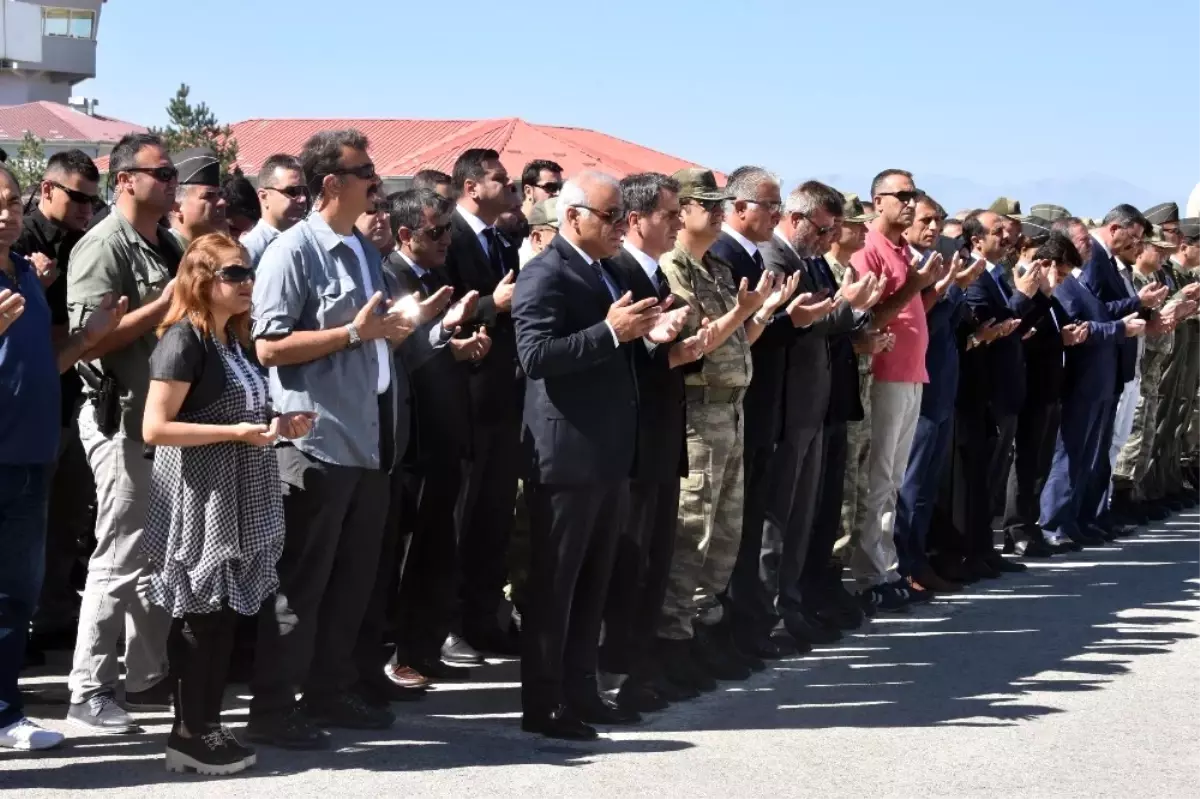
(932,581)
(406,676)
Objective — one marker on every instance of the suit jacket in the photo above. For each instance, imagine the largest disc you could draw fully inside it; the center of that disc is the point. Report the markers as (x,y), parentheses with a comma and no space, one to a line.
(495,382)
(1093,368)
(763,404)
(845,397)
(942,360)
(581,411)
(995,373)
(661,436)
(1044,357)
(440,394)
(1102,277)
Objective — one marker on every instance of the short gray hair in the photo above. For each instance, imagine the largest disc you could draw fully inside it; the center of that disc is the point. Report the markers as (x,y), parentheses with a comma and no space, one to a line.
(806,198)
(574,191)
(743,183)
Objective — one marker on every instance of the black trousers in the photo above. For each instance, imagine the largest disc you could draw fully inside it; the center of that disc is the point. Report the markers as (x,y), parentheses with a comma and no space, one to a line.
(983,441)
(749,598)
(1037,430)
(335,518)
(828,515)
(574,531)
(199,646)
(429,577)
(485,520)
(802,508)
(640,574)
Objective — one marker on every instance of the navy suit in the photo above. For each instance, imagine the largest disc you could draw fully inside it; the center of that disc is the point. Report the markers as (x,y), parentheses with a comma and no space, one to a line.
(1089,395)
(1103,278)
(579,433)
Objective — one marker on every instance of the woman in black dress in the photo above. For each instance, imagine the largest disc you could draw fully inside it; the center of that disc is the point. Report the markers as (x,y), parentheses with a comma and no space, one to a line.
(214,529)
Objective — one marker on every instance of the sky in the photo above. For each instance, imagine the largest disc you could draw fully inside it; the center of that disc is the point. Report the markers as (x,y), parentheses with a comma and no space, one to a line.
(1080,100)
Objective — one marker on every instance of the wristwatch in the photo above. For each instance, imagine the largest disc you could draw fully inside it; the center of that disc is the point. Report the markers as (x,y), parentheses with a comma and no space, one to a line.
(355,339)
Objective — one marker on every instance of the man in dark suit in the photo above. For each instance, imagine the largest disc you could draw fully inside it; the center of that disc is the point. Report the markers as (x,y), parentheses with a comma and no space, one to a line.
(479,260)
(573,319)
(991,387)
(643,560)
(1091,380)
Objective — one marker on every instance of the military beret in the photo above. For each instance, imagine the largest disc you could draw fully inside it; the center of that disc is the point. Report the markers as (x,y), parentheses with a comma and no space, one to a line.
(198,166)
(1162,213)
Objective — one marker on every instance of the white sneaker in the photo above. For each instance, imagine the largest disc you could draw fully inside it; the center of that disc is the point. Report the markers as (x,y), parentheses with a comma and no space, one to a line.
(27,736)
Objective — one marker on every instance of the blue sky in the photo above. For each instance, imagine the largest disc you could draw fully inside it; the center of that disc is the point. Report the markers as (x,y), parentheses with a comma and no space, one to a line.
(976,97)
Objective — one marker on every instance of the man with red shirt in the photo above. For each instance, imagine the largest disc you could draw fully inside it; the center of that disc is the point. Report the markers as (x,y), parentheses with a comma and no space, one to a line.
(899,379)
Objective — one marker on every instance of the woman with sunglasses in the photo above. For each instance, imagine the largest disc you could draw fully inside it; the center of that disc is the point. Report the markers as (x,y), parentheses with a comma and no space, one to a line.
(214,529)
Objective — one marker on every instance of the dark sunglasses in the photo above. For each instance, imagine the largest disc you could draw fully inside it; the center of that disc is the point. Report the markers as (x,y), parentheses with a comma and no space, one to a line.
(163,174)
(708,205)
(435,232)
(821,230)
(295,192)
(551,187)
(234,274)
(905,197)
(614,216)
(77,197)
(362,172)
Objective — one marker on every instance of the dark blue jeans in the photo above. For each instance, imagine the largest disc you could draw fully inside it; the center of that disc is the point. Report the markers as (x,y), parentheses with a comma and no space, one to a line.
(23,491)
(918,495)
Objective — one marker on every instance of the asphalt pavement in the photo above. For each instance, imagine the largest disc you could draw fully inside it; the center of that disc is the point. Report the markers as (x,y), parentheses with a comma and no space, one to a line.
(1079,678)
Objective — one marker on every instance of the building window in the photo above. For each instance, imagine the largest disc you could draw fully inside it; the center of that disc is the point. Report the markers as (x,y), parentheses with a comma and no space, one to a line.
(70,22)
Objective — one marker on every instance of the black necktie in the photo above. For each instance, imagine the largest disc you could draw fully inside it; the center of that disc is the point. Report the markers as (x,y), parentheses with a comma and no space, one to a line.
(494,256)
(758,261)
(1005,291)
(660,282)
(610,285)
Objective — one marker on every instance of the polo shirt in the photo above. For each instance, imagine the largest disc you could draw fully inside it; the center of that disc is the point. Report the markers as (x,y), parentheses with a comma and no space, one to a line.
(905,363)
(29,386)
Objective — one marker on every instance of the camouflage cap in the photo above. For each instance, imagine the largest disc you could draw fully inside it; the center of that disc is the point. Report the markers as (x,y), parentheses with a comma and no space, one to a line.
(1049,212)
(1036,229)
(1189,227)
(1156,238)
(696,183)
(544,213)
(1007,207)
(1162,213)
(1089,222)
(853,211)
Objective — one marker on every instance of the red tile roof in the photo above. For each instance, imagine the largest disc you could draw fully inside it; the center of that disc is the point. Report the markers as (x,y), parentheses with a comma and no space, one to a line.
(402,147)
(53,122)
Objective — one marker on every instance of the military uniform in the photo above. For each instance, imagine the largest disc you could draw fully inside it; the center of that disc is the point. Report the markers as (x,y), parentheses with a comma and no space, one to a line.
(710,497)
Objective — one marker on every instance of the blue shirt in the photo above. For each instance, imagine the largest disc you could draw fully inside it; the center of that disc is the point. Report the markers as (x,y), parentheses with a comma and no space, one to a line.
(29,384)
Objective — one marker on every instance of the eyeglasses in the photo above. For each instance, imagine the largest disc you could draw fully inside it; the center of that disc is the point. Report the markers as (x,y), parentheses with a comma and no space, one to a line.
(234,274)
(905,197)
(551,187)
(163,174)
(295,192)
(821,229)
(708,205)
(770,205)
(435,232)
(77,197)
(362,171)
(614,216)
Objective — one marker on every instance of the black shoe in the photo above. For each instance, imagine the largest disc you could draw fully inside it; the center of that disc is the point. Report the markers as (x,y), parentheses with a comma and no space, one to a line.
(1086,541)
(347,711)
(490,638)
(884,599)
(708,651)
(980,568)
(1034,544)
(761,647)
(917,593)
(954,569)
(558,723)
(156,697)
(837,616)
(672,691)
(639,696)
(208,754)
(247,753)
(294,730)
(101,715)
(457,650)
(1010,545)
(442,672)
(1155,512)
(34,657)
(680,668)
(1103,533)
(381,692)
(802,628)
(1003,564)
(594,710)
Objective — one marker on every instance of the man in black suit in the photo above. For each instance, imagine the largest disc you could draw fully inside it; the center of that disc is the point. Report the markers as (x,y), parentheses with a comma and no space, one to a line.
(575,328)
(643,561)
(480,260)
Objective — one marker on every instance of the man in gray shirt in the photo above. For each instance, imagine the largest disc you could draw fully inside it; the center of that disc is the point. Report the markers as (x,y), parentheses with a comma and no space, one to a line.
(323,327)
(283,197)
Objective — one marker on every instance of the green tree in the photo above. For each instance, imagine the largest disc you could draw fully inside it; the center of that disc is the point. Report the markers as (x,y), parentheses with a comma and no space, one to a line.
(197,126)
(29,164)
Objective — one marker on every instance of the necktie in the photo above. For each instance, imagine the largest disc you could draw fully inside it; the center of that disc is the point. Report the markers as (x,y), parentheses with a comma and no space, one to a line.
(1005,291)
(494,256)
(758,261)
(660,281)
(606,280)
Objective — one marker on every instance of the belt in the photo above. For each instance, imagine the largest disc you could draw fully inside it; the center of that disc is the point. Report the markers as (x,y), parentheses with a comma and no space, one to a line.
(713,396)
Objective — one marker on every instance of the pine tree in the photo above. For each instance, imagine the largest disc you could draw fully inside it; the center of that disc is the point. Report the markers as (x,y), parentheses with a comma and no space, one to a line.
(29,164)
(197,126)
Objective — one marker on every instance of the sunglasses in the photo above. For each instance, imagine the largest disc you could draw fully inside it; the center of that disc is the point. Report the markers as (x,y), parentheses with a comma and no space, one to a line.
(234,274)
(550,187)
(435,232)
(770,205)
(905,197)
(77,197)
(362,172)
(295,192)
(613,216)
(163,174)
(821,229)
(708,205)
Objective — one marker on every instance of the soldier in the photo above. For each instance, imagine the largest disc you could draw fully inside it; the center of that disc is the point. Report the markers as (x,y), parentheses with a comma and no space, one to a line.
(1186,266)
(694,646)
(1011,211)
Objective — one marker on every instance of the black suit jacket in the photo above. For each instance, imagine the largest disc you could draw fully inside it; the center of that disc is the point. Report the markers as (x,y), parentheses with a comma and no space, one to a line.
(1044,363)
(661,436)
(495,382)
(1103,278)
(440,395)
(763,404)
(580,420)
(995,373)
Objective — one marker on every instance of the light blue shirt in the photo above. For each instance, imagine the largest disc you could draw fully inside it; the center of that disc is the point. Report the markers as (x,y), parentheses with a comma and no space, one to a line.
(256,240)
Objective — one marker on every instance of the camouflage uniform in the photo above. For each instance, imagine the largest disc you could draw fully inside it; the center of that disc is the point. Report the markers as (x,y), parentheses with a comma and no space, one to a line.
(1132,469)
(1189,393)
(710,497)
(858,449)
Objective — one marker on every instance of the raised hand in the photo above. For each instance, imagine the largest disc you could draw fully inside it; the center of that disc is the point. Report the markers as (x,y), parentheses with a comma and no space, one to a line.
(295,424)
(667,328)
(433,307)
(750,301)
(1028,283)
(809,308)
(502,295)
(1134,325)
(862,294)
(1153,294)
(629,319)
(472,348)
(929,274)
(12,305)
(1075,333)
(967,275)
(371,325)
(784,289)
(46,268)
(871,342)
(460,311)
(104,319)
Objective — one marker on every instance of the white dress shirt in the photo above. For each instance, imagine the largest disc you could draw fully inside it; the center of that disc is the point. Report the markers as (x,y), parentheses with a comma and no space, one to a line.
(750,247)
(384,378)
(478,226)
(612,290)
(648,264)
